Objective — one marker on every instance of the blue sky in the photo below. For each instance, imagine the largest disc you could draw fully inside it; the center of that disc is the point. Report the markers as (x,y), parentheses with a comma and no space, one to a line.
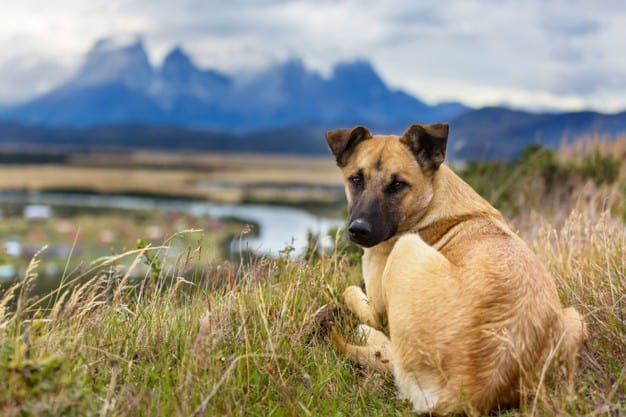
(533,54)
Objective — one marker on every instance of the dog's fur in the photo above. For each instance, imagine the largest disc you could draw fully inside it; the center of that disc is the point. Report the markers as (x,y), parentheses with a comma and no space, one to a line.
(456,306)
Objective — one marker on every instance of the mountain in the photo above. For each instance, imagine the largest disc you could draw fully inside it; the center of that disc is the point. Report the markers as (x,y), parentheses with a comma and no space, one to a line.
(118,84)
(109,62)
(501,132)
(119,100)
(111,87)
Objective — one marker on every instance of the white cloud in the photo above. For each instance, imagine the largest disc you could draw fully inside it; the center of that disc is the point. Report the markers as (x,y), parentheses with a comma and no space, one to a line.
(27,75)
(562,53)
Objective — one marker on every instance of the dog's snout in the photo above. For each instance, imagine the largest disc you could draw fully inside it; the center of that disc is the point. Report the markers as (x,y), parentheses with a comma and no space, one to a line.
(359,229)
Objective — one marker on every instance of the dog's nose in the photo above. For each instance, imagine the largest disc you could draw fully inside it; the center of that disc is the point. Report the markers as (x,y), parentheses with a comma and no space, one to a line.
(359,229)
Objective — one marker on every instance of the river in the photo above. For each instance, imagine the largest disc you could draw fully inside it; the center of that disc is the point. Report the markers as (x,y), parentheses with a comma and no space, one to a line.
(278,226)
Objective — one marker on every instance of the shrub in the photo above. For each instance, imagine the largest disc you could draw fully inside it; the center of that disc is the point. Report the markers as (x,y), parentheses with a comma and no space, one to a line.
(538,177)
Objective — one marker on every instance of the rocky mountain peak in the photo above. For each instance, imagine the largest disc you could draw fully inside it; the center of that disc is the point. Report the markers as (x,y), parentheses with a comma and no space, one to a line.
(116,60)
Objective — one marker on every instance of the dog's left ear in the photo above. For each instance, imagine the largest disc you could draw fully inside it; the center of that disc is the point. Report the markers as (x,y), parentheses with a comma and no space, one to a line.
(343,141)
(428,144)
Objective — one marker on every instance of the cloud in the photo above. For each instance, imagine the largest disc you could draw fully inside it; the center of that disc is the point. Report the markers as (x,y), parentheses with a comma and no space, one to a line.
(26,76)
(579,26)
(424,47)
(586,81)
(568,54)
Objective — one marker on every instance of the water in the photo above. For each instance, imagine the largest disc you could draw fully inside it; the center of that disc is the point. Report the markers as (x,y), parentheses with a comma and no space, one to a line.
(278,226)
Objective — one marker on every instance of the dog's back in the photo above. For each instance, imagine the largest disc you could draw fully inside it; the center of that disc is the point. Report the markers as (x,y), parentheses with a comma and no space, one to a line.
(512,313)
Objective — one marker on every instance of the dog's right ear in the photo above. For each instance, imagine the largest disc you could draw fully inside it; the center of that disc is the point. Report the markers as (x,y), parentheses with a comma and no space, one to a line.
(428,144)
(343,141)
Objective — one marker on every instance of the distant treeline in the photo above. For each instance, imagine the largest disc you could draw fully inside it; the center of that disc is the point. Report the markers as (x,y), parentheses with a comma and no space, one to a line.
(36,158)
(484,134)
(295,140)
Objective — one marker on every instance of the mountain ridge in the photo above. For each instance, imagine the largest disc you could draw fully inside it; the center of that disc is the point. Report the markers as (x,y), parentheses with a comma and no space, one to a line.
(180,92)
(119,91)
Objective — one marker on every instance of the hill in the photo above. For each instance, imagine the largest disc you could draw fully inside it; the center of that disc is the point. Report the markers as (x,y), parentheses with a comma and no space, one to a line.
(501,132)
(477,135)
(120,137)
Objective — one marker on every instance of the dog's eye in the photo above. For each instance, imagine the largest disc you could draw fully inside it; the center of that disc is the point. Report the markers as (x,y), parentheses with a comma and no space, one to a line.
(357,180)
(396,186)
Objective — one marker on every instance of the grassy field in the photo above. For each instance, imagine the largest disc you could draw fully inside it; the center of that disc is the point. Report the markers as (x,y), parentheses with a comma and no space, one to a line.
(250,338)
(216,177)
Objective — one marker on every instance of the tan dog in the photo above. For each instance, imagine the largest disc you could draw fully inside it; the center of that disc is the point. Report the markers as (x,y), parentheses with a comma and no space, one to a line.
(470,314)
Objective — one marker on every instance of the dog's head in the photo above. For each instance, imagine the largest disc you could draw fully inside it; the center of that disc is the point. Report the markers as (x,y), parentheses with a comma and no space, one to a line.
(388,178)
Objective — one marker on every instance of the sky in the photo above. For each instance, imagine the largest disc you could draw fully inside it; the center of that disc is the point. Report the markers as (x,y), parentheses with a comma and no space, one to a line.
(533,54)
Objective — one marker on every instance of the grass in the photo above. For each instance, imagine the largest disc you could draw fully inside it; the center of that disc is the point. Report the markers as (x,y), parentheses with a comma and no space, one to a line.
(217,177)
(248,339)
(234,344)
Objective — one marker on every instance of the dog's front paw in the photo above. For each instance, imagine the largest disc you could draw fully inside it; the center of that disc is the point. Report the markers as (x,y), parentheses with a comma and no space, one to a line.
(364,331)
(356,300)
(354,294)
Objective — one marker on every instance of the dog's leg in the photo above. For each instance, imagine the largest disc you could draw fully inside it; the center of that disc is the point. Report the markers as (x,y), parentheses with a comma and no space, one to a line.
(359,304)
(375,354)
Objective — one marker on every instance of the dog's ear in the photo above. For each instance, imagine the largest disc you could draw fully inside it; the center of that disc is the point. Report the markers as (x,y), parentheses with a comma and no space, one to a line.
(343,141)
(428,144)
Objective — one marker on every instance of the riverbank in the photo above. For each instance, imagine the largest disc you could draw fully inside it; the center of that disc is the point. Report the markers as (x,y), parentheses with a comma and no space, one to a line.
(84,206)
(77,227)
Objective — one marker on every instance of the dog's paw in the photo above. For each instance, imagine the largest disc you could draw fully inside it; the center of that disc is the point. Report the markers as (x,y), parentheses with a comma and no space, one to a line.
(372,336)
(354,293)
(364,331)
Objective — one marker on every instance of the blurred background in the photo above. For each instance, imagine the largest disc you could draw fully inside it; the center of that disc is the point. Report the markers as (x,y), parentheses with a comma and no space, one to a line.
(199,125)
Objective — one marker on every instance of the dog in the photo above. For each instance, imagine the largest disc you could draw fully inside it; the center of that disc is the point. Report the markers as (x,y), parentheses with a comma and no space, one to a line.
(456,306)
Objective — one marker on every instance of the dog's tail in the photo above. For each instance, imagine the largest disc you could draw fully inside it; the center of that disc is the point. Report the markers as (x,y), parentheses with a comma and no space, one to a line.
(375,354)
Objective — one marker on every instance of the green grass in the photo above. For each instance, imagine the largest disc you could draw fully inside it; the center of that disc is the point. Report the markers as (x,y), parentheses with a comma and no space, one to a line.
(244,344)
(249,340)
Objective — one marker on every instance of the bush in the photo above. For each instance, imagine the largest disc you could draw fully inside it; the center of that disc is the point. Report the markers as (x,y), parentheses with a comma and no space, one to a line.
(601,168)
(536,175)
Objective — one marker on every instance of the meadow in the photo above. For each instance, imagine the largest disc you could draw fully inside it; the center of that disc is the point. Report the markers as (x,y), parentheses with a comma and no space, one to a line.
(251,337)
(228,178)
